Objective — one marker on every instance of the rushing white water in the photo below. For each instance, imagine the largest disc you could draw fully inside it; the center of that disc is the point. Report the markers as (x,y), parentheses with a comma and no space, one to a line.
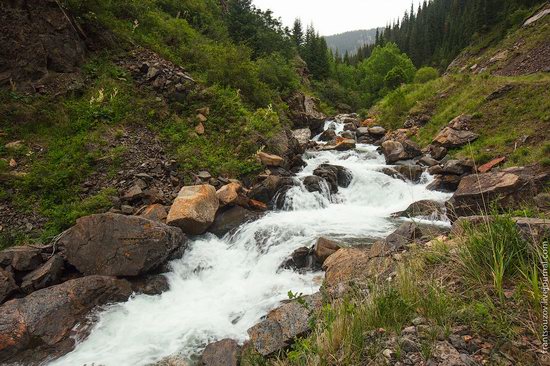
(221,287)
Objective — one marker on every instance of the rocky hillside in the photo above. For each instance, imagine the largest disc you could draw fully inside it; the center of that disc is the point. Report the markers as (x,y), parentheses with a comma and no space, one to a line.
(501,87)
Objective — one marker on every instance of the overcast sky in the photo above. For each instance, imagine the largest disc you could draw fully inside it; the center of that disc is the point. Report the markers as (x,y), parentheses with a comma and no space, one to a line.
(337,16)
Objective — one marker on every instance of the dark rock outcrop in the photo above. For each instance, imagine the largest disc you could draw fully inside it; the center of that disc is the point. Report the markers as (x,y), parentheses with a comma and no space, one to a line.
(118,245)
(266,190)
(335,175)
(45,318)
(47,275)
(7,285)
(41,46)
(229,219)
(304,112)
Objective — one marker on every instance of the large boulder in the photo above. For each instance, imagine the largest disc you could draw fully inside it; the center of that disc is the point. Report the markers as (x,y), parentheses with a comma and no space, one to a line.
(267,189)
(117,245)
(45,319)
(410,172)
(314,183)
(282,325)
(335,175)
(324,248)
(395,151)
(328,135)
(507,189)
(231,218)
(456,134)
(304,112)
(231,194)
(221,353)
(355,268)
(194,209)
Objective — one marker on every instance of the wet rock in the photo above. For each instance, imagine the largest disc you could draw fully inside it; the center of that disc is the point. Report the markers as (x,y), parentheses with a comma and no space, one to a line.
(300,259)
(194,209)
(314,183)
(459,167)
(156,212)
(7,285)
(349,135)
(422,208)
(445,183)
(266,190)
(46,317)
(270,160)
(328,135)
(283,325)
(410,172)
(395,151)
(345,144)
(47,275)
(222,353)
(21,258)
(406,233)
(324,248)
(118,245)
(506,188)
(150,285)
(230,218)
(335,175)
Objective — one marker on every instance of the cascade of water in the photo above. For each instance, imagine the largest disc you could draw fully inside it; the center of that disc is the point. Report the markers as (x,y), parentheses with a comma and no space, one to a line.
(221,287)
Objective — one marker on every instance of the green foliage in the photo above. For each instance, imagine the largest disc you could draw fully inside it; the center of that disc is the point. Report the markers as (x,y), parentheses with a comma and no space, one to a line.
(495,252)
(277,72)
(425,74)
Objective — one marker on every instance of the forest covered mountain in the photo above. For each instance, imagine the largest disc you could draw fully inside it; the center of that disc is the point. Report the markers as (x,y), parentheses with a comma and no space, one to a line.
(350,42)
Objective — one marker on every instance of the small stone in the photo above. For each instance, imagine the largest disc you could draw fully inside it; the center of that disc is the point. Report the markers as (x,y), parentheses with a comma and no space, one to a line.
(13,163)
(388,353)
(127,209)
(409,330)
(199,129)
(201,118)
(14,145)
(408,345)
(204,175)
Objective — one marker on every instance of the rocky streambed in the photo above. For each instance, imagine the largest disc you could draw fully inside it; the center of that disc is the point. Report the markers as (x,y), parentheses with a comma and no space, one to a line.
(132,290)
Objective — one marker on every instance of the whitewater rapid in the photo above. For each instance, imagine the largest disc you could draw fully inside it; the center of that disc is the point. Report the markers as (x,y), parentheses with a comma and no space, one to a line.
(222,287)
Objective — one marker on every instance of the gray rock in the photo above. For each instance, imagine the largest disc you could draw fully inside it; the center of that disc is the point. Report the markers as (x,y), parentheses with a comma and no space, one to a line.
(47,275)
(118,245)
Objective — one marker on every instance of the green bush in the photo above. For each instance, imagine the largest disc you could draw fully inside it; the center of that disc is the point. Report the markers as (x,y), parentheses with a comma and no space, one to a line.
(425,74)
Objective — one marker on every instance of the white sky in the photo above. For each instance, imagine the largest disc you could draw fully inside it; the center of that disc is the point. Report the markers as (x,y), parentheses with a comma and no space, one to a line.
(337,16)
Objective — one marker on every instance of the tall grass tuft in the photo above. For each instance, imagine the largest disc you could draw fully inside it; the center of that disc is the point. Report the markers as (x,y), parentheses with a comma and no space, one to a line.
(495,252)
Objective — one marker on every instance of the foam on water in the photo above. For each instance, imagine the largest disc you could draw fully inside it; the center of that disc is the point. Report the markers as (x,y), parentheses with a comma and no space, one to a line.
(221,287)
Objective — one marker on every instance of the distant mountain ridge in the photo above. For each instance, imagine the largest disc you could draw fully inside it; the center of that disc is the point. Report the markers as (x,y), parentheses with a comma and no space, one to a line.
(351,41)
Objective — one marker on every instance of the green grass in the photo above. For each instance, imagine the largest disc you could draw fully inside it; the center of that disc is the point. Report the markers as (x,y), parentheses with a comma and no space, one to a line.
(502,123)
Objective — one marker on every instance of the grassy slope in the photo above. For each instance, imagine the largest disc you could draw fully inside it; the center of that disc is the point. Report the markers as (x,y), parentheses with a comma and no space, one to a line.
(65,137)
(514,125)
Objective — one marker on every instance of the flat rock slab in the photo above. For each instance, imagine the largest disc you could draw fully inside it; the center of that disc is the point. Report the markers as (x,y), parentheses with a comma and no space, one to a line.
(117,245)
